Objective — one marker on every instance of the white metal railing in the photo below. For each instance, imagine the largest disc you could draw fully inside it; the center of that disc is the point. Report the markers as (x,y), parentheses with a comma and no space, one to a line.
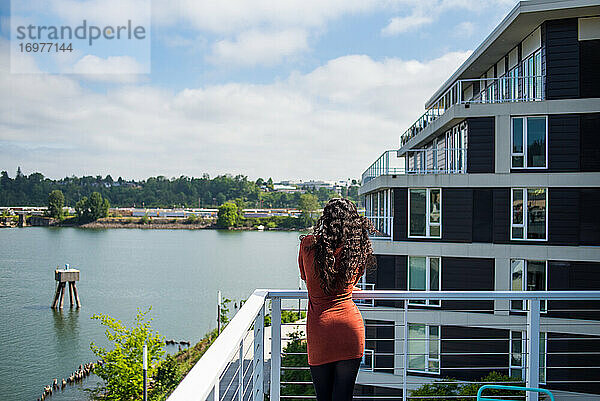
(233,368)
(437,161)
(387,163)
(488,90)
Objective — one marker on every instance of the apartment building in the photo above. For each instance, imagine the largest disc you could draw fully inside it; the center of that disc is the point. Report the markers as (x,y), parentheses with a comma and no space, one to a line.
(496,187)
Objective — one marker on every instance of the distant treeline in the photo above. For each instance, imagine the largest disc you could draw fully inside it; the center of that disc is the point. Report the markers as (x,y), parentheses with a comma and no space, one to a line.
(33,190)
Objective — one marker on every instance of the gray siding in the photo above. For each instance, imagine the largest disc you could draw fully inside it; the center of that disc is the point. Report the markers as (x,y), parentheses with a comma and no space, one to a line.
(590,142)
(589,60)
(457,214)
(563,143)
(562,59)
(481,137)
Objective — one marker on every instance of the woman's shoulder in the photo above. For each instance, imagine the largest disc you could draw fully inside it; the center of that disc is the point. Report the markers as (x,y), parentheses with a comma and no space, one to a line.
(307,239)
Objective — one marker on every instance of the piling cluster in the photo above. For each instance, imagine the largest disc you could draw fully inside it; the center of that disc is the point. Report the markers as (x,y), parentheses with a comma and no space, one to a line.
(81,373)
(173,342)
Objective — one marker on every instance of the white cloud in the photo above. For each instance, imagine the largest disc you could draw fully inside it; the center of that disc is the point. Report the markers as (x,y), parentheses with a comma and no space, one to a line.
(330,123)
(255,47)
(465,29)
(110,69)
(403,24)
(424,12)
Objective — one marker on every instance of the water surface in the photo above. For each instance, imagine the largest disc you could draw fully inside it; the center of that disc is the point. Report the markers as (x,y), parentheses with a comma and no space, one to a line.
(177,272)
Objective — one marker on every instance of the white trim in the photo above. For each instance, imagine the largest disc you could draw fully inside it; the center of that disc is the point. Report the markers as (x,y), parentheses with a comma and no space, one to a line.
(525,215)
(523,366)
(428,223)
(363,363)
(543,309)
(427,280)
(427,342)
(523,353)
(525,149)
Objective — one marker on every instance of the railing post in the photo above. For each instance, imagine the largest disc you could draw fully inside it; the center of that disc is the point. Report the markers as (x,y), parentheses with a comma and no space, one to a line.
(405,351)
(533,347)
(275,348)
(241,373)
(259,352)
(216,396)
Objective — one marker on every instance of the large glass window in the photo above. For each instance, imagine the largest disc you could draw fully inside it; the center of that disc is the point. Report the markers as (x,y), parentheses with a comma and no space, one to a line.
(529,214)
(528,275)
(423,348)
(529,142)
(424,274)
(425,214)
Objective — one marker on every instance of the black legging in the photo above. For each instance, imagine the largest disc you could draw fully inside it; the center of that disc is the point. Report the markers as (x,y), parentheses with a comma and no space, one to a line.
(335,381)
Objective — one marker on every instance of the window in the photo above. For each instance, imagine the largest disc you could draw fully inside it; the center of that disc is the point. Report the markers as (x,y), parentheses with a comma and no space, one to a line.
(378,209)
(423,348)
(425,212)
(368,360)
(532,75)
(518,355)
(424,274)
(529,142)
(529,217)
(528,275)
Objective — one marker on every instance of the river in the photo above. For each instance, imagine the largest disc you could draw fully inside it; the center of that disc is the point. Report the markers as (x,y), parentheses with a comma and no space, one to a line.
(177,272)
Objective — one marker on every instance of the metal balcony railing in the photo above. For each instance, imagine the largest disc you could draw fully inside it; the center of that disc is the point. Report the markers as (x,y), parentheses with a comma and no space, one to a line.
(437,161)
(387,163)
(411,345)
(489,90)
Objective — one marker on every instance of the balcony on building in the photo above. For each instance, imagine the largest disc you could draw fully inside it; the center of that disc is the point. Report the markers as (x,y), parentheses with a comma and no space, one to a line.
(413,338)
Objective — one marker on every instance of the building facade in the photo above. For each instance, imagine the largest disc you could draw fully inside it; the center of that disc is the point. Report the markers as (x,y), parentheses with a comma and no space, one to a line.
(496,187)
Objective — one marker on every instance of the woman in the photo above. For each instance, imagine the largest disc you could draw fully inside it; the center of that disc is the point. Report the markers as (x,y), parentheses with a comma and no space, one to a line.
(331,262)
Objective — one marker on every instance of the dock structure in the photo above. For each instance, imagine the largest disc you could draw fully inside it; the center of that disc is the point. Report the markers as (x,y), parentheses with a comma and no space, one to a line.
(64,277)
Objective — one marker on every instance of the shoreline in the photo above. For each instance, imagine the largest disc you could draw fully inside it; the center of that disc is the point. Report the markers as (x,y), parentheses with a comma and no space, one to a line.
(152,224)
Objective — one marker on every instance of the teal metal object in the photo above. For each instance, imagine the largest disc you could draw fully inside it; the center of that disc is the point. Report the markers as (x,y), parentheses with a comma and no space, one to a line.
(514,388)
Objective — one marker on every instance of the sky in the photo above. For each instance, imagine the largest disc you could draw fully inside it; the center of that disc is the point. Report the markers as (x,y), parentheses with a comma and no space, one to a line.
(288,89)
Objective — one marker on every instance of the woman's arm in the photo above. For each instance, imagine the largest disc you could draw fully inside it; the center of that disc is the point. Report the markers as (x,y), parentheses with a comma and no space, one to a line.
(301,262)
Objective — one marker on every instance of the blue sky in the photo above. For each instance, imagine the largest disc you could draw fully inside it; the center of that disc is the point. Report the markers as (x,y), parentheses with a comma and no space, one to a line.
(289,89)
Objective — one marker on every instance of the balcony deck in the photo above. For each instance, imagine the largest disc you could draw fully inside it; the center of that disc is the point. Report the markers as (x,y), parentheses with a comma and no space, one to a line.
(398,366)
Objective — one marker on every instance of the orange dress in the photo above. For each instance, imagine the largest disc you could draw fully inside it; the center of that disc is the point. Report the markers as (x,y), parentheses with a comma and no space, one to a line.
(334,328)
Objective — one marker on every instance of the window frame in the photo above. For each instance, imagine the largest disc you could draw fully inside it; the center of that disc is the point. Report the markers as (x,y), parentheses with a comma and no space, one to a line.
(523,368)
(428,223)
(523,225)
(427,349)
(428,301)
(543,302)
(524,154)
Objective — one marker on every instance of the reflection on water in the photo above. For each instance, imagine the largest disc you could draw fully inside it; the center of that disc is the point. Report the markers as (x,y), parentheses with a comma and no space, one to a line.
(66,324)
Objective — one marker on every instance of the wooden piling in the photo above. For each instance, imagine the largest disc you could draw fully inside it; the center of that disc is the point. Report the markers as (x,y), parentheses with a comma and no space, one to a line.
(71,284)
(64,277)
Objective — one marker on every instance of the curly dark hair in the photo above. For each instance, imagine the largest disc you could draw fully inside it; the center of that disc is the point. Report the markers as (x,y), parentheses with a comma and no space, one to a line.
(340,225)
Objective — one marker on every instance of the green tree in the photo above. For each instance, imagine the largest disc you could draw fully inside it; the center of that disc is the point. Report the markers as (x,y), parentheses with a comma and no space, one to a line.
(81,209)
(56,202)
(228,215)
(295,356)
(121,369)
(309,203)
(98,207)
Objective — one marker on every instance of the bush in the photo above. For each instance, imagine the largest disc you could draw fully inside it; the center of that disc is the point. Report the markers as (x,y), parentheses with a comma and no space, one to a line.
(456,391)
(297,345)
(121,369)
(227,216)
